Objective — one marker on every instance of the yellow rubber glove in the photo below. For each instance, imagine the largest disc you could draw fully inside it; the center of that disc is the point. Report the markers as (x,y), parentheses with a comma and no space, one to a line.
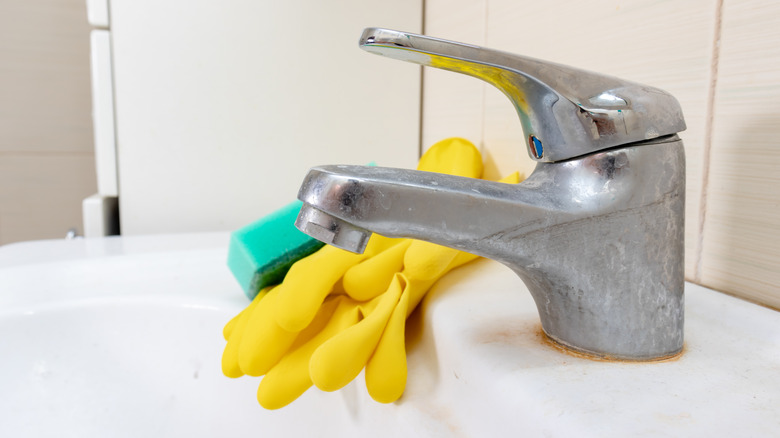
(269,328)
(423,265)
(296,336)
(377,342)
(339,314)
(311,279)
(233,333)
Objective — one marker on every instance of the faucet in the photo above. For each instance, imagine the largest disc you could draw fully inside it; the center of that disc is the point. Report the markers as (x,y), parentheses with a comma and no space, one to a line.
(595,232)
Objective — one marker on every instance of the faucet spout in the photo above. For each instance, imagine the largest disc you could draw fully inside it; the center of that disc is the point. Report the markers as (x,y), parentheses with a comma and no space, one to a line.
(598,240)
(443,209)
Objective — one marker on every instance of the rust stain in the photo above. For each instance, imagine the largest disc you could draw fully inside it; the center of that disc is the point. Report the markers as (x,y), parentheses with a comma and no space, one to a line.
(548,341)
(511,332)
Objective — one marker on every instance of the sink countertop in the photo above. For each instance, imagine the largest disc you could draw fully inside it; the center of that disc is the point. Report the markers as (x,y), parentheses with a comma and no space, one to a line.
(478,362)
(490,343)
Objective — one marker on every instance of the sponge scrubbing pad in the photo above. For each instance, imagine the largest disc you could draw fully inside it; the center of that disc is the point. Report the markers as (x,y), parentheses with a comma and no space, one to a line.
(261,253)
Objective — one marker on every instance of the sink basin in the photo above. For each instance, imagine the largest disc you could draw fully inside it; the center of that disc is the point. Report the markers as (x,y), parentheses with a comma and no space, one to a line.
(122,337)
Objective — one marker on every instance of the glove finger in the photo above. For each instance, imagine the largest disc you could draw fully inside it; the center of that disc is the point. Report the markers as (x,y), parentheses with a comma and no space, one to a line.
(341,358)
(228,329)
(425,260)
(386,369)
(460,259)
(371,277)
(418,288)
(512,178)
(453,156)
(230,367)
(311,279)
(264,342)
(289,378)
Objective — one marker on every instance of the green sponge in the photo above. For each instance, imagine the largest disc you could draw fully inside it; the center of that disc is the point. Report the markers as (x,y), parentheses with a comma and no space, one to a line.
(261,253)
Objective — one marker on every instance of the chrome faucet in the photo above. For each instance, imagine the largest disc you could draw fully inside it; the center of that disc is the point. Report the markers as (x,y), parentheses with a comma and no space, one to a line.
(595,232)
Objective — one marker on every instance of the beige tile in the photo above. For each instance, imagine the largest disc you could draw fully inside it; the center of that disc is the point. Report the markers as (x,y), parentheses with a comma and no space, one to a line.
(41,194)
(741,245)
(670,47)
(44,76)
(663,44)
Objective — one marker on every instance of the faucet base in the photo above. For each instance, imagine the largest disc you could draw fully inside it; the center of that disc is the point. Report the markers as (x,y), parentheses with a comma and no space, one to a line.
(601,357)
(598,240)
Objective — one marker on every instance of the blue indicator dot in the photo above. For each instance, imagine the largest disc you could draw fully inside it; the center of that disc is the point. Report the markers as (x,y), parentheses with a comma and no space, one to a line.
(536,146)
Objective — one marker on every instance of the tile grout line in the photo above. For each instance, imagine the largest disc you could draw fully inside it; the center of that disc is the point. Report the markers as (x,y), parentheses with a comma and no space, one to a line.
(708,136)
(420,145)
(112,61)
(483,143)
(46,154)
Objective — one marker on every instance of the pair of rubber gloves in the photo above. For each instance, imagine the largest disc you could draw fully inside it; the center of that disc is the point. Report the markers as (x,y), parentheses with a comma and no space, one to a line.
(336,312)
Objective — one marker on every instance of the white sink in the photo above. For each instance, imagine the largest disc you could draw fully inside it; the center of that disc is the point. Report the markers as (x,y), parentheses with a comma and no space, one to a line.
(122,337)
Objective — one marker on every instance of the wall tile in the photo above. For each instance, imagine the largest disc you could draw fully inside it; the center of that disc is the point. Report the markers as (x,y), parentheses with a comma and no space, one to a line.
(41,194)
(665,44)
(44,66)
(46,164)
(741,242)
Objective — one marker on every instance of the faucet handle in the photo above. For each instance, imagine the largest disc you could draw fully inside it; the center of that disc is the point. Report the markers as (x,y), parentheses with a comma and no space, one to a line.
(565,112)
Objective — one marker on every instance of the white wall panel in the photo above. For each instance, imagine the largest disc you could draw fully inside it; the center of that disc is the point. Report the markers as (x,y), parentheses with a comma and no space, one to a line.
(453,104)
(223,106)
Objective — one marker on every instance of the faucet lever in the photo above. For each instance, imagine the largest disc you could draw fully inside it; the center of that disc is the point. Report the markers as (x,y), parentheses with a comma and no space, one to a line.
(565,112)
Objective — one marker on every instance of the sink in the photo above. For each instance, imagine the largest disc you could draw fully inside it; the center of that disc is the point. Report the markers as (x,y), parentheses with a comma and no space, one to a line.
(122,337)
